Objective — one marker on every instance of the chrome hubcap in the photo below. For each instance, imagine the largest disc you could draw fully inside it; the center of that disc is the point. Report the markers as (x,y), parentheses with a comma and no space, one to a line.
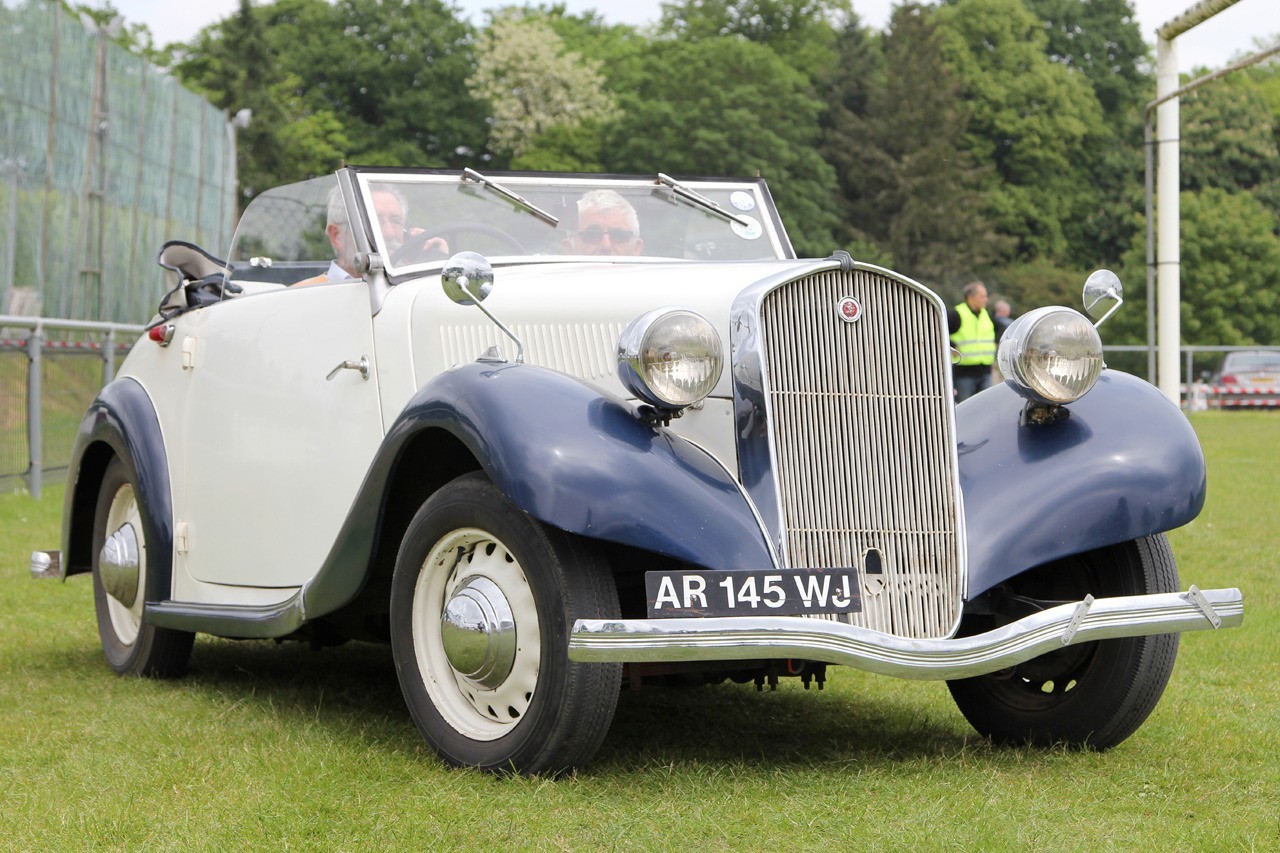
(118,565)
(478,632)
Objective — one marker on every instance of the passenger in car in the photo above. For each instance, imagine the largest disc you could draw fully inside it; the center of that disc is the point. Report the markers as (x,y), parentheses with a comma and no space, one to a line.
(607,225)
(392,211)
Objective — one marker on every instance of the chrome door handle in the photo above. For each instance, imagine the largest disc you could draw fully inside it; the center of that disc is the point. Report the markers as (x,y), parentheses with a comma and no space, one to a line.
(362,365)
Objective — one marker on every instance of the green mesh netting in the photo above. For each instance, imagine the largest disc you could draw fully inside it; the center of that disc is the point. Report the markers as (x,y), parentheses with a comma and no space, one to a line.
(102,159)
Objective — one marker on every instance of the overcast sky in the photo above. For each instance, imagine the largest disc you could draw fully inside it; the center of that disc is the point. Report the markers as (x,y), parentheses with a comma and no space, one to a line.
(1211,44)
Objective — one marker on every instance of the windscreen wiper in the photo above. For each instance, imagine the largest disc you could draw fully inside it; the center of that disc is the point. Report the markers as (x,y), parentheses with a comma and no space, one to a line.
(683,192)
(473,175)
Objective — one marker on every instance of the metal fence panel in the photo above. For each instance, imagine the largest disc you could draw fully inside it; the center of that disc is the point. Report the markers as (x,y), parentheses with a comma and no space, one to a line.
(63,372)
(14,450)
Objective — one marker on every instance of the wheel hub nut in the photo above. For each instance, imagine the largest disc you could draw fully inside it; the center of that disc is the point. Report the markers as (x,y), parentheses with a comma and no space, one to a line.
(479,633)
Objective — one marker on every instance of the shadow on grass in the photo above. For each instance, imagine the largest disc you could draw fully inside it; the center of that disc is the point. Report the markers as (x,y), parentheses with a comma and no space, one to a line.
(353,689)
(733,723)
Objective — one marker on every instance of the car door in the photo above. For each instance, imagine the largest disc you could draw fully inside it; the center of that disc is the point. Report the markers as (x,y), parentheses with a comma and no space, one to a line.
(281,424)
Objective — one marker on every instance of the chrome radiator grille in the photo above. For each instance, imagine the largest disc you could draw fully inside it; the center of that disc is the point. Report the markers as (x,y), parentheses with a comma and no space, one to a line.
(861,425)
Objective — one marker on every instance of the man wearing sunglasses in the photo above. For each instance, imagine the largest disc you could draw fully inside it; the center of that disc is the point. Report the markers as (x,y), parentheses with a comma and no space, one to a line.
(607,225)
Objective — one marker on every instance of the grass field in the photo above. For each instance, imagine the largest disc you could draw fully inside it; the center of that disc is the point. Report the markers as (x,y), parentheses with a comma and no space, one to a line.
(278,747)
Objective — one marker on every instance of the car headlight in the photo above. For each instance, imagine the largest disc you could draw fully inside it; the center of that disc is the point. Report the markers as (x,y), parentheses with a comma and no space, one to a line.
(1051,355)
(670,357)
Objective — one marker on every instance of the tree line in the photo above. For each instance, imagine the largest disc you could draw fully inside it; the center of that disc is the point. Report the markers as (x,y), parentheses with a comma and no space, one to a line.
(993,139)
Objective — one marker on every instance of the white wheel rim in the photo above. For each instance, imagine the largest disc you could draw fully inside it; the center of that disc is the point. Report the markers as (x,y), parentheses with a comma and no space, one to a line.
(472,709)
(125,621)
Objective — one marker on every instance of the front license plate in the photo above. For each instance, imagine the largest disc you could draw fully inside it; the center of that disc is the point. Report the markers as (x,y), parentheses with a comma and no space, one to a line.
(777,592)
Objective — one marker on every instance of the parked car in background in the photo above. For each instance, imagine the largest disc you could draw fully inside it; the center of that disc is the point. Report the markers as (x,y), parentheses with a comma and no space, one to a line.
(540,470)
(1250,368)
(1248,379)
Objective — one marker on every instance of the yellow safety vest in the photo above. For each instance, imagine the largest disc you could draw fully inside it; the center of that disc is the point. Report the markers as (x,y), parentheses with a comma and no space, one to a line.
(976,337)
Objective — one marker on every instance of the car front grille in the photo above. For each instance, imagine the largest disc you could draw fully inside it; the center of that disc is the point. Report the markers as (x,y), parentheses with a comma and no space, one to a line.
(862,438)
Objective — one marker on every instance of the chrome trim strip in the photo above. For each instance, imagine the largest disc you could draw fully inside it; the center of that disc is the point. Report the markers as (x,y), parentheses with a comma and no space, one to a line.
(757,462)
(753,638)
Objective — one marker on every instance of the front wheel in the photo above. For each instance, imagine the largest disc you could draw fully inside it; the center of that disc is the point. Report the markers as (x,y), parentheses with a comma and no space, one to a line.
(1092,695)
(121,585)
(482,603)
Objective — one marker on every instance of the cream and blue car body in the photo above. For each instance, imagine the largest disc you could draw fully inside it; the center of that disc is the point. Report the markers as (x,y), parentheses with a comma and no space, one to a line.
(664,452)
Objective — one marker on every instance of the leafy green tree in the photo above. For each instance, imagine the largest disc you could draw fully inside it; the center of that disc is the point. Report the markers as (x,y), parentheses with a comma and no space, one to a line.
(1101,39)
(393,71)
(847,86)
(535,86)
(1228,138)
(726,106)
(234,65)
(1230,274)
(802,32)
(1035,120)
(912,188)
(366,81)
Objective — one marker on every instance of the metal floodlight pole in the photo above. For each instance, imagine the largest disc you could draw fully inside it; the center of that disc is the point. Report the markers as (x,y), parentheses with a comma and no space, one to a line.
(1166,258)
(1172,211)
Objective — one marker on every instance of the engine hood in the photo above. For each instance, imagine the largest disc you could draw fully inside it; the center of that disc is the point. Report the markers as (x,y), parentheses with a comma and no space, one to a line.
(569,315)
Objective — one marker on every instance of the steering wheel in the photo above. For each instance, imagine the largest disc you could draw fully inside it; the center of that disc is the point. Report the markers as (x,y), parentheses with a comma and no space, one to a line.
(417,250)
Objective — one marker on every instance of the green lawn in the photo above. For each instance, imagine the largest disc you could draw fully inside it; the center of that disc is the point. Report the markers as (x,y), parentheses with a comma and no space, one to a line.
(278,747)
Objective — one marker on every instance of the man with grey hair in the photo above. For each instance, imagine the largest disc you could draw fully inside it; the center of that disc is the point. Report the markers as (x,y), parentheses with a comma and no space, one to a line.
(607,225)
(973,334)
(391,209)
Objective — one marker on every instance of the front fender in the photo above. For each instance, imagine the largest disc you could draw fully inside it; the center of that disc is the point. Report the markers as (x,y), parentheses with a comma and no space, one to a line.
(570,456)
(1125,463)
(579,459)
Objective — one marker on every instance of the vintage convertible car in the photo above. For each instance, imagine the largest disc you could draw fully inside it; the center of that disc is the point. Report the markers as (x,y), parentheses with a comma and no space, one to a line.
(558,433)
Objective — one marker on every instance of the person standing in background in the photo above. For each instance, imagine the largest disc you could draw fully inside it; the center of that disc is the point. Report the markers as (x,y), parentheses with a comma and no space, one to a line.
(1003,319)
(973,333)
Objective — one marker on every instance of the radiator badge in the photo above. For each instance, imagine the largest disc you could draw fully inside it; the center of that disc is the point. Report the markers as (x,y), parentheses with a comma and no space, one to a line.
(849,309)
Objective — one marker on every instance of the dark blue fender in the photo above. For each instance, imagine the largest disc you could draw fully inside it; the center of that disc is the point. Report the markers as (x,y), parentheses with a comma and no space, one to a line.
(580,460)
(121,421)
(1124,464)
(570,456)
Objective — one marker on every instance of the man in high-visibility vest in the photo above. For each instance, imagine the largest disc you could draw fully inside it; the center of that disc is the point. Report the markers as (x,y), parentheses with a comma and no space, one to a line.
(973,333)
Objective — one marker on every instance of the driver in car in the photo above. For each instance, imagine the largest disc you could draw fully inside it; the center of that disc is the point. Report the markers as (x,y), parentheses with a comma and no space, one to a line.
(607,225)
(391,209)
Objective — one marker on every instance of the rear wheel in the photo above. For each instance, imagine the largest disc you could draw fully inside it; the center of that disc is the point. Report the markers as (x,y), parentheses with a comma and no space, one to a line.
(1092,695)
(121,585)
(482,603)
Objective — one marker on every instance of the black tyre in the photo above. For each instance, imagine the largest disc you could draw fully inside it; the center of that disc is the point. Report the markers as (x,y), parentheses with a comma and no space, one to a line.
(482,603)
(122,585)
(1093,695)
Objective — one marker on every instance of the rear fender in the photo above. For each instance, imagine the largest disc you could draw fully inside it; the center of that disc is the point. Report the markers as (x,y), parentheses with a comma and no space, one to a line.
(121,421)
(1125,463)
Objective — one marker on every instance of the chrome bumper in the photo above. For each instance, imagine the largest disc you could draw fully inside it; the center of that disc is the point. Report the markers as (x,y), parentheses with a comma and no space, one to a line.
(46,564)
(754,638)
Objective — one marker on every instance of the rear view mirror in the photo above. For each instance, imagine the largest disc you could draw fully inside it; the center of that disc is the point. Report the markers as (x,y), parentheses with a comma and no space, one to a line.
(1102,295)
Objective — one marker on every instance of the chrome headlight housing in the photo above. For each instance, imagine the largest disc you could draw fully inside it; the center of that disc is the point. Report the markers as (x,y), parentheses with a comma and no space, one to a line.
(670,357)
(1051,355)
